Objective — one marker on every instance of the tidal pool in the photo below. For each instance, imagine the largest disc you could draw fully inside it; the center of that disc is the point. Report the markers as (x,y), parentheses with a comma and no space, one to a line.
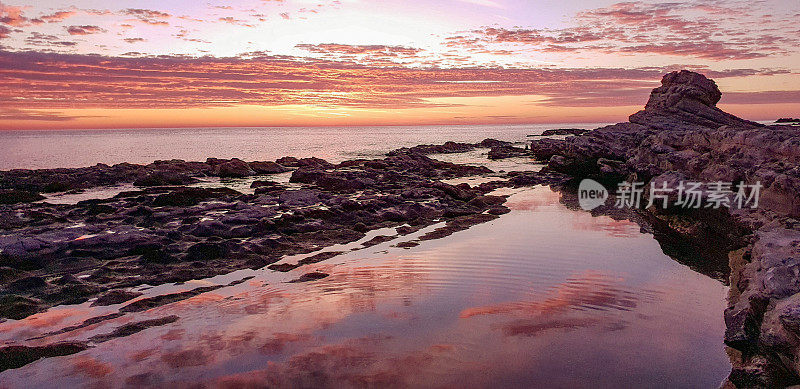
(542,296)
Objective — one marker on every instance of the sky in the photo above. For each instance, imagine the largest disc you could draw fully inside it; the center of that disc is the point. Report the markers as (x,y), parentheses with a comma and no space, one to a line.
(184,63)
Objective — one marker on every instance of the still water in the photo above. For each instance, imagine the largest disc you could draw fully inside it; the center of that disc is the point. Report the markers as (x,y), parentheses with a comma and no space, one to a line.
(542,297)
(78,148)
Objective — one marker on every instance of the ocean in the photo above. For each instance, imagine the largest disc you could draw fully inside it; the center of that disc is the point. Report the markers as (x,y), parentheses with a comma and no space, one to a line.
(35,149)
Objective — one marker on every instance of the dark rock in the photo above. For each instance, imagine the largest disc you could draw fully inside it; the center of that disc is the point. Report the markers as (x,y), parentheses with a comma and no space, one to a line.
(157,301)
(132,328)
(502,152)
(446,148)
(193,196)
(283,267)
(489,143)
(266,167)
(12,196)
(288,161)
(264,184)
(117,296)
(235,168)
(313,276)
(27,284)
(18,307)
(12,357)
(206,251)
(319,257)
(498,210)
(164,178)
(563,131)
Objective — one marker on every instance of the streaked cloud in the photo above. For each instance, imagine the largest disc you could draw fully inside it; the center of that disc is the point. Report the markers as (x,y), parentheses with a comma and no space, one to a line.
(84,30)
(712,32)
(91,81)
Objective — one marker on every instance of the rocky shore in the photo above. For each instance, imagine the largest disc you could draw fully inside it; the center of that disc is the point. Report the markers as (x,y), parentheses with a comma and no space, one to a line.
(682,135)
(170,231)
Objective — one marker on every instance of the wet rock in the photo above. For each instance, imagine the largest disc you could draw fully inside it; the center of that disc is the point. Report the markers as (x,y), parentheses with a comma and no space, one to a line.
(790,318)
(152,252)
(12,357)
(563,131)
(18,307)
(117,296)
(157,301)
(192,196)
(319,257)
(503,152)
(489,143)
(283,267)
(8,274)
(787,120)
(208,228)
(235,168)
(12,196)
(162,178)
(300,197)
(446,148)
(378,240)
(132,328)
(498,210)
(27,284)
(206,251)
(266,167)
(313,276)
(262,186)
(288,161)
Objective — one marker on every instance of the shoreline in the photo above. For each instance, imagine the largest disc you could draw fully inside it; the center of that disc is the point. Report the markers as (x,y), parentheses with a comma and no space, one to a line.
(681,135)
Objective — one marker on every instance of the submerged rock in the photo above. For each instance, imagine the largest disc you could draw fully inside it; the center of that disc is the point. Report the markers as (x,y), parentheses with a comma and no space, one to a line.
(12,357)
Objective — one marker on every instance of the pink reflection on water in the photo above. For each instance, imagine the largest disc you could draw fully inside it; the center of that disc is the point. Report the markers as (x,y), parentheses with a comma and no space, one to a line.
(485,307)
(590,290)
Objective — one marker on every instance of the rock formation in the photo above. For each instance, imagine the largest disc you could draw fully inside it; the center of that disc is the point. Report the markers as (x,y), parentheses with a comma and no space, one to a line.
(681,134)
(167,232)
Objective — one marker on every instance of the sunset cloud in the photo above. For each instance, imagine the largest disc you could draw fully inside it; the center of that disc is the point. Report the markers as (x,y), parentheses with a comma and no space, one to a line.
(90,81)
(12,16)
(57,16)
(84,30)
(350,56)
(148,16)
(39,39)
(675,29)
(358,49)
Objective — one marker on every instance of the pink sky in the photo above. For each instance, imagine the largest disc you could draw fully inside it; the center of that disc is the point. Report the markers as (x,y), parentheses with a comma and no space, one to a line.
(81,64)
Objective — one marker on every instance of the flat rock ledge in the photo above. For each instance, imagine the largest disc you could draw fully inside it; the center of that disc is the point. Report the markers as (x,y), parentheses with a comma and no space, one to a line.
(169,231)
(682,135)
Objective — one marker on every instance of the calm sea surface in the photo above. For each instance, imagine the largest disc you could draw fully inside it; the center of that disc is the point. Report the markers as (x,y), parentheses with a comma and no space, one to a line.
(544,296)
(50,149)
